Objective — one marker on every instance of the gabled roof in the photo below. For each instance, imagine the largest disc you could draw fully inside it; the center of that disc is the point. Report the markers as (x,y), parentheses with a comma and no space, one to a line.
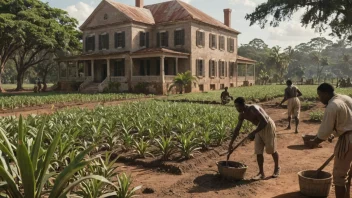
(132,13)
(245,60)
(177,10)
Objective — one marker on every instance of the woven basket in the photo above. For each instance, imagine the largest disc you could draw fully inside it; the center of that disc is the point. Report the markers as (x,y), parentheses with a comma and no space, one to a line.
(231,173)
(312,187)
(307,138)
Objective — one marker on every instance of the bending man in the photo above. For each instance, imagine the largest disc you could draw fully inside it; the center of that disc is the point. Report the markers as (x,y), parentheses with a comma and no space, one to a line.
(337,120)
(264,135)
(293,104)
(225,97)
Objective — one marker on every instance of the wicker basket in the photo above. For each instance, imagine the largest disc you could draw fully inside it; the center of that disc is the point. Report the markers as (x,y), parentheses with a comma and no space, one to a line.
(307,138)
(229,171)
(312,187)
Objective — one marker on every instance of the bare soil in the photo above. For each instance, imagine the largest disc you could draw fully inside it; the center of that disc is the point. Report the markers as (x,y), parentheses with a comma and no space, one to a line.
(202,180)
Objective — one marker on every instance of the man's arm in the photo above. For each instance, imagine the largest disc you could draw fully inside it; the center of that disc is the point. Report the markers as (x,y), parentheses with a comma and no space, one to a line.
(327,125)
(285,97)
(299,93)
(237,129)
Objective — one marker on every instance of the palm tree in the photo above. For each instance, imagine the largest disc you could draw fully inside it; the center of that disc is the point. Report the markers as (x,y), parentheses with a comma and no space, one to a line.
(281,61)
(182,80)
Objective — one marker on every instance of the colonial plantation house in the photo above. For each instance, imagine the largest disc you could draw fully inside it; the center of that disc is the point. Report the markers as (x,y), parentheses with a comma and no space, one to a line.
(150,44)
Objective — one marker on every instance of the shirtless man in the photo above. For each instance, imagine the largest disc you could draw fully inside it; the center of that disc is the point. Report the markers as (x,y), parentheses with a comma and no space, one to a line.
(264,135)
(225,97)
(293,103)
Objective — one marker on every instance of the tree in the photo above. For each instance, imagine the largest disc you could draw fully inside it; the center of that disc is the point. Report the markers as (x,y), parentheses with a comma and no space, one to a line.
(183,80)
(281,62)
(43,30)
(46,67)
(336,14)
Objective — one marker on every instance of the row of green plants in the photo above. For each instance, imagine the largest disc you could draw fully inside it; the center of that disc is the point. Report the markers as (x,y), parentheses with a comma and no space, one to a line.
(41,157)
(19,101)
(256,93)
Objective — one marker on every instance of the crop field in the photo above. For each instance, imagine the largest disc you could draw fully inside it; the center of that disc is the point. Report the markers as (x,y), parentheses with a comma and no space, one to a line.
(25,86)
(19,101)
(256,93)
(49,150)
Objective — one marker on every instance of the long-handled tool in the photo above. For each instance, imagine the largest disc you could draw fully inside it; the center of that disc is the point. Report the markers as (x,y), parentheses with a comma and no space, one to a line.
(325,164)
(234,148)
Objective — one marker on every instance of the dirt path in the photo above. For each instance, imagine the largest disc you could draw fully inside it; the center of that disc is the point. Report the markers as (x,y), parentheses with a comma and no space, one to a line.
(51,108)
(204,182)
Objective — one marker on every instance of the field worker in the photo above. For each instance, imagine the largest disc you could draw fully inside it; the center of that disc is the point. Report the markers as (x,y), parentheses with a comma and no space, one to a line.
(293,104)
(337,120)
(264,135)
(225,97)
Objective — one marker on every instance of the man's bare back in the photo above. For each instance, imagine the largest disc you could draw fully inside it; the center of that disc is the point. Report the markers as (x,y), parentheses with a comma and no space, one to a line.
(254,114)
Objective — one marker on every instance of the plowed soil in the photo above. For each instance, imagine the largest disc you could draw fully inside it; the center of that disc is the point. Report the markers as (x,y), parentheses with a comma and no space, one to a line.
(203,180)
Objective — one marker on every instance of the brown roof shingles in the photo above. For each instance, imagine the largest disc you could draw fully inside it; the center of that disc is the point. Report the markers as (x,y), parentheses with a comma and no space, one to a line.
(244,59)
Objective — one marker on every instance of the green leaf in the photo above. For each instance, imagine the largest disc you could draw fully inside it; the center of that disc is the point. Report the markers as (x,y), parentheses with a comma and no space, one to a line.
(37,146)
(12,187)
(26,170)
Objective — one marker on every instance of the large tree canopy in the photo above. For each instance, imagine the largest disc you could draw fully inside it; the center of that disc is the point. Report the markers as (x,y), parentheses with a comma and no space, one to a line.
(320,14)
(29,27)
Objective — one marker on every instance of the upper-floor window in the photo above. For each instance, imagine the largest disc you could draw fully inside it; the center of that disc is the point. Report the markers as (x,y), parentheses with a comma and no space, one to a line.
(119,68)
(200,38)
(200,67)
(212,68)
(144,39)
(119,39)
(221,42)
(232,66)
(162,39)
(230,45)
(222,68)
(179,37)
(212,41)
(90,43)
(103,41)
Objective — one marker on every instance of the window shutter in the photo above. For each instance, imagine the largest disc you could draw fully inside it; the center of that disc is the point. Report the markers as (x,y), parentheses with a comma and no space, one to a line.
(197,68)
(107,41)
(228,44)
(219,68)
(210,41)
(123,39)
(100,44)
(182,36)
(175,38)
(93,40)
(87,44)
(158,39)
(203,67)
(203,39)
(167,39)
(147,39)
(123,67)
(216,41)
(115,40)
(197,38)
(219,42)
(225,69)
(141,44)
(210,69)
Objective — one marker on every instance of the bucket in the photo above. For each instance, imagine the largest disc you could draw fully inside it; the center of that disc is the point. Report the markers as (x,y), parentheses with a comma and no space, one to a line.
(312,186)
(232,170)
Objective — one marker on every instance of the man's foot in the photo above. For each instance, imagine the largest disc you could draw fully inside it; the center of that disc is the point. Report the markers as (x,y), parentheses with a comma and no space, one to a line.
(277,173)
(258,177)
(288,128)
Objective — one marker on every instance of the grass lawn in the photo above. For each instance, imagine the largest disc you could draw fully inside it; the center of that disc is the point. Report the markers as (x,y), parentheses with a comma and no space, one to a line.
(25,86)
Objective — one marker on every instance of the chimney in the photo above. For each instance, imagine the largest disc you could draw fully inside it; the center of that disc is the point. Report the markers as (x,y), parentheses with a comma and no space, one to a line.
(227,17)
(140,3)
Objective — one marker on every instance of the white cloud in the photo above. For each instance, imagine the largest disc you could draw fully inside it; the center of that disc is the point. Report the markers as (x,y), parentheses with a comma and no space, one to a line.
(187,1)
(248,3)
(80,11)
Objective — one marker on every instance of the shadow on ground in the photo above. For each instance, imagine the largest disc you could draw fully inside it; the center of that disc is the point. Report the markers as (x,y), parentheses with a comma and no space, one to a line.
(291,195)
(214,182)
(298,147)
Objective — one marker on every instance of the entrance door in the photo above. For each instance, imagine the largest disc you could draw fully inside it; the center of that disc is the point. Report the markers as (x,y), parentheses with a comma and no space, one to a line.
(104,72)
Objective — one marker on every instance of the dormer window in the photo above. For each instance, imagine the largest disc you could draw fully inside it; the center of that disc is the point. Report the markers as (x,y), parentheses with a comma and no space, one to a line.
(104,41)
(106,16)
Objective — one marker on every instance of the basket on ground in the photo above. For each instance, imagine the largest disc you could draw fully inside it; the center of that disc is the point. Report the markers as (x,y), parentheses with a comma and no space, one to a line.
(312,186)
(306,139)
(232,170)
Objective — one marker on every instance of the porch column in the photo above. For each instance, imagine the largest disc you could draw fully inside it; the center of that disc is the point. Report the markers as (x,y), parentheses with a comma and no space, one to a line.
(254,74)
(162,69)
(92,69)
(131,72)
(77,74)
(246,72)
(176,63)
(108,68)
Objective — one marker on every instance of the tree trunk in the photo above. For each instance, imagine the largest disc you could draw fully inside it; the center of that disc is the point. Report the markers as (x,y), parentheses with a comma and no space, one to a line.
(2,90)
(181,89)
(20,76)
(44,83)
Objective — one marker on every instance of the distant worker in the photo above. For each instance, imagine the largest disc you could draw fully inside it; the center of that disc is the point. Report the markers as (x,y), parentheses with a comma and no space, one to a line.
(337,120)
(39,86)
(293,103)
(225,97)
(264,135)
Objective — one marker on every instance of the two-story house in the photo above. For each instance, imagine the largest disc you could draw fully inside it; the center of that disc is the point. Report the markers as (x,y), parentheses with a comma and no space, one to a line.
(151,44)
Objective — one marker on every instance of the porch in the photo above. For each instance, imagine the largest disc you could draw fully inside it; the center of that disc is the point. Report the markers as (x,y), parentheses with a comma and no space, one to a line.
(245,71)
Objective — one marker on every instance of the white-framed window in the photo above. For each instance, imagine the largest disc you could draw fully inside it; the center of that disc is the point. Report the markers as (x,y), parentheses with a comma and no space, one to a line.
(230,44)
(212,41)
(200,67)
(200,38)
(221,42)
(212,68)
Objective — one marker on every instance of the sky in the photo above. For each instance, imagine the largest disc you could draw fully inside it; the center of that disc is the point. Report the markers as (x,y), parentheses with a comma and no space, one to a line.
(289,33)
